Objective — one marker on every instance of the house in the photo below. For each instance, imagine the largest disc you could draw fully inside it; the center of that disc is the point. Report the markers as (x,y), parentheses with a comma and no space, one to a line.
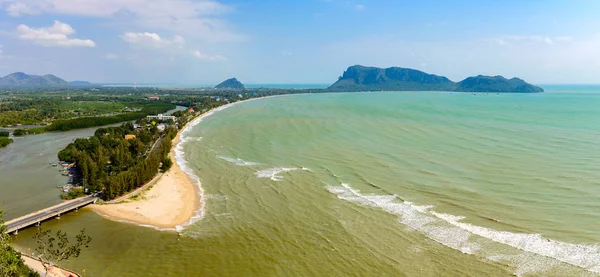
(191,110)
(153,98)
(161,127)
(128,137)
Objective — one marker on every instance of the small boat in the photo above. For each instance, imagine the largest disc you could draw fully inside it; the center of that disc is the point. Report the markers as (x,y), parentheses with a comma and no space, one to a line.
(54,165)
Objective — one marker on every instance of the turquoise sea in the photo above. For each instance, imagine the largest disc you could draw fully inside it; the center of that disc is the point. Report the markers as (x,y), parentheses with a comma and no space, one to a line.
(377,184)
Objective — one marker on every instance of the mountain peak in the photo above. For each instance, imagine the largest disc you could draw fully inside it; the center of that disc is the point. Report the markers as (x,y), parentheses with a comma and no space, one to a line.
(231,83)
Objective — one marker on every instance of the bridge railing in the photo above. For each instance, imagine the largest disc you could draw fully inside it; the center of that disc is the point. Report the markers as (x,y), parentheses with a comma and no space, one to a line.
(33,218)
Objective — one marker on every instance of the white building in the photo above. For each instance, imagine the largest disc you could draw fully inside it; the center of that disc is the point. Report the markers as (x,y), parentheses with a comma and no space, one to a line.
(160,117)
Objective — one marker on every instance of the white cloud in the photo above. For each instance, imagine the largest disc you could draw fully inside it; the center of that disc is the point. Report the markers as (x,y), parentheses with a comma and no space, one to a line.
(359,7)
(17,9)
(193,17)
(55,35)
(206,57)
(152,39)
(512,40)
(111,56)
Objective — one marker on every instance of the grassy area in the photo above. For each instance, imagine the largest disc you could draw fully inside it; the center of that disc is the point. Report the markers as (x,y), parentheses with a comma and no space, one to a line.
(33,112)
(90,108)
(134,111)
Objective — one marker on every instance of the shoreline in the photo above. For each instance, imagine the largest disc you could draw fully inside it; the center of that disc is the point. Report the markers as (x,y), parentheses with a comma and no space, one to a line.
(54,271)
(175,200)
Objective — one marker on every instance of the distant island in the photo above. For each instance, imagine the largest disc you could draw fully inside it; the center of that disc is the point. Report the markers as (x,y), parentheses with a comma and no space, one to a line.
(20,79)
(362,78)
(232,83)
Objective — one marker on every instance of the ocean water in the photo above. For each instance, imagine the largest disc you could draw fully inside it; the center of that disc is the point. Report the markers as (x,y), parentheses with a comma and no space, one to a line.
(377,184)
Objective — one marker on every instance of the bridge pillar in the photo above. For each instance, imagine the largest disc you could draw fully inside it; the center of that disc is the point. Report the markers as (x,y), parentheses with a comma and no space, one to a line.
(17,232)
(38,224)
(58,216)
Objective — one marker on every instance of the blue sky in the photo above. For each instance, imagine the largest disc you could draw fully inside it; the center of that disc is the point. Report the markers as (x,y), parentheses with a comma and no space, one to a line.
(309,41)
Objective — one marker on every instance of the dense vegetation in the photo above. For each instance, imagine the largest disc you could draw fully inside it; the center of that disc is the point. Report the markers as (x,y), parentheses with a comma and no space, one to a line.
(86,122)
(362,78)
(109,163)
(11,263)
(77,110)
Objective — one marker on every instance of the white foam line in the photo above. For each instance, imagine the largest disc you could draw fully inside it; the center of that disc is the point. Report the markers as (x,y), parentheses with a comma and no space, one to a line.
(182,163)
(456,235)
(273,173)
(583,256)
(237,161)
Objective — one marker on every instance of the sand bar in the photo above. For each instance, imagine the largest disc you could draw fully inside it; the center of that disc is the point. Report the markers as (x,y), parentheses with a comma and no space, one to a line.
(171,203)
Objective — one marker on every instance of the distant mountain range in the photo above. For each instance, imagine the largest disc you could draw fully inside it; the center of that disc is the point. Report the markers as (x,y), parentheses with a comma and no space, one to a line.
(232,83)
(20,79)
(362,78)
(355,78)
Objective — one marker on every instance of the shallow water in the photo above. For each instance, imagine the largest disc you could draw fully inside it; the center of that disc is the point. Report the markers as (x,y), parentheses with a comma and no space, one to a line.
(378,184)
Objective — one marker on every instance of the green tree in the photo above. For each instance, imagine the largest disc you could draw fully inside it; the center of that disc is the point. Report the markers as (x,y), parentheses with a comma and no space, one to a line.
(11,263)
(166,163)
(51,250)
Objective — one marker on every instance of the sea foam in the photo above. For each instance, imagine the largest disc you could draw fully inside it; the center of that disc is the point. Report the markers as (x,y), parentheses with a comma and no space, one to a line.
(448,230)
(273,173)
(180,159)
(237,161)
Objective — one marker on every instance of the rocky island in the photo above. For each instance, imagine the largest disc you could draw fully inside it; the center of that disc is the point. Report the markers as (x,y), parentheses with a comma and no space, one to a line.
(362,78)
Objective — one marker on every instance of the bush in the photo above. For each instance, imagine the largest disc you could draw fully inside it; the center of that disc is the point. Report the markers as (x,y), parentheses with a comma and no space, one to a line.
(72,194)
(4,133)
(4,141)
(20,132)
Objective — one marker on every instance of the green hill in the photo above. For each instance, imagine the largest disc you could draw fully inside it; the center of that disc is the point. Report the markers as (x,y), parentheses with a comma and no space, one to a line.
(232,83)
(495,84)
(21,79)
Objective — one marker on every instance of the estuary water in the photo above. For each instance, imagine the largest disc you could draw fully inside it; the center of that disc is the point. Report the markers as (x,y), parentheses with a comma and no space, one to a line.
(377,184)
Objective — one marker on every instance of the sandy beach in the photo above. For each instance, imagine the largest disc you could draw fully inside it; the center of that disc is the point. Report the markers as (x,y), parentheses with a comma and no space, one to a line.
(171,201)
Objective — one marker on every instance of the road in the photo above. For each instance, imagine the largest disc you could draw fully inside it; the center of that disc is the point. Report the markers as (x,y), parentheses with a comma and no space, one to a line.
(41,215)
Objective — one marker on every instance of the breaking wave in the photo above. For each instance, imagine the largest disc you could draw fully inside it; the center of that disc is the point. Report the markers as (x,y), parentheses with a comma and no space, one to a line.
(448,230)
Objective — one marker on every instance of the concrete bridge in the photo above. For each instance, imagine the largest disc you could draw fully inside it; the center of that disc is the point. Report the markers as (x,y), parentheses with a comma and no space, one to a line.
(36,218)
